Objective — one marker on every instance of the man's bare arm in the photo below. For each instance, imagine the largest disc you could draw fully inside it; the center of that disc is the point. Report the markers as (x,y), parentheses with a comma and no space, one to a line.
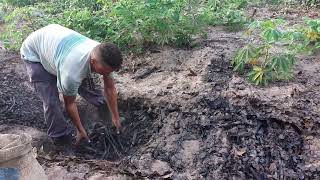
(112,100)
(73,113)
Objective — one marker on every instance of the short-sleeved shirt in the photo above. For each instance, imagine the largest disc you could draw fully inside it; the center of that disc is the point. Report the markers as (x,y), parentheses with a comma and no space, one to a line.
(63,53)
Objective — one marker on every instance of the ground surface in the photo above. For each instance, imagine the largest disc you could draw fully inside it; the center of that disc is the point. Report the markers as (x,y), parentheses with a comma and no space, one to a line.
(188,116)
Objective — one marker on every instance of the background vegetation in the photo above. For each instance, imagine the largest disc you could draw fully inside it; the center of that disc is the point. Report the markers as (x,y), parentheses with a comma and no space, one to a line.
(137,24)
(273,58)
(131,24)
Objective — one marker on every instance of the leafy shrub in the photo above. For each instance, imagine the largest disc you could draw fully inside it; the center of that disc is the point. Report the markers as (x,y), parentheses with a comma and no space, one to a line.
(225,12)
(20,3)
(310,3)
(267,61)
(275,56)
(20,23)
(307,36)
(154,21)
(132,24)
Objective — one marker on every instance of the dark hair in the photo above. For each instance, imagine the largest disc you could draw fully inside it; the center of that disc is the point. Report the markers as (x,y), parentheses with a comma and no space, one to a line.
(110,55)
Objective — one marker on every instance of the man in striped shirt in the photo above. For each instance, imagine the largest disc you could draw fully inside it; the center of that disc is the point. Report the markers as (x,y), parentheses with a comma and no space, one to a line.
(59,59)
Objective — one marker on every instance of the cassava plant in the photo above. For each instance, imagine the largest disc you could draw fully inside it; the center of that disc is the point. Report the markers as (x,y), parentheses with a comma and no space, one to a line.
(306,37)
(271,59)
(131,24)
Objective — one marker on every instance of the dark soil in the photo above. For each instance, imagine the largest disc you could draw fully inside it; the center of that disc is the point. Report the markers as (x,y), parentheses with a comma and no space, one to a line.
(18,103)
(137,120)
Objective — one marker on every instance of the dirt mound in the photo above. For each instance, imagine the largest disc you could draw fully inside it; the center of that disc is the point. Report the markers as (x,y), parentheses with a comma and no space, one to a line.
(216,124)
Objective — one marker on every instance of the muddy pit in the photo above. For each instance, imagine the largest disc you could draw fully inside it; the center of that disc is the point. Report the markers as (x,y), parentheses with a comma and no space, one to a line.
(189,117)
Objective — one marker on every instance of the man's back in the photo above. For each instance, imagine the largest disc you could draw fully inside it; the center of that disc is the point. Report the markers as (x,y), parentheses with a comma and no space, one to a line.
(62,52)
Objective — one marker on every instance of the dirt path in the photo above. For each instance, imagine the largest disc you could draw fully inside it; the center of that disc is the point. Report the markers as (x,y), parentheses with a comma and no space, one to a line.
(191,117)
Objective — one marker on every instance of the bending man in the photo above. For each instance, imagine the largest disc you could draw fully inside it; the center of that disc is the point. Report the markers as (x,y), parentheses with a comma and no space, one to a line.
(59,59)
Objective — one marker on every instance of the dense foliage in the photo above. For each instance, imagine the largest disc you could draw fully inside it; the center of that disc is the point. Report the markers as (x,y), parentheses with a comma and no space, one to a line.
(274,57)
(131,24)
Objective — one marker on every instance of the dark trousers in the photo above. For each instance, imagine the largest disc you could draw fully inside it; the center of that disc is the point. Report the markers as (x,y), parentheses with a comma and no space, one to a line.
(45,85)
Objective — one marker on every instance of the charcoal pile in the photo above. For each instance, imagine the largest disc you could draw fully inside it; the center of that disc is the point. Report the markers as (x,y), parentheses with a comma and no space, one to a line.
(106,143)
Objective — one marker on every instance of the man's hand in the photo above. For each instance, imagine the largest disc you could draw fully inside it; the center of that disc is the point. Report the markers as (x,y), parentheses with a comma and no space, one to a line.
(81,136)
(73,113)
(112,100)
(117,124)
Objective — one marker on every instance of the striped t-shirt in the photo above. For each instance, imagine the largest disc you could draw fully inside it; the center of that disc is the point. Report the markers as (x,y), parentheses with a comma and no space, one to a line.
(63,53)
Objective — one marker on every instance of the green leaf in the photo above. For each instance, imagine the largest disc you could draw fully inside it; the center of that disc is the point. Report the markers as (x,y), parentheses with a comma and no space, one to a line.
(258,75)
(268,24)
(242,56)
(282,65)
(254,25)
(271,35)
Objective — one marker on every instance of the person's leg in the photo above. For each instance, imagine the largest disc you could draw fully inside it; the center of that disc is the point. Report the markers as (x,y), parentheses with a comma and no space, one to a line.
(45,86)
(91,93)
(53,114)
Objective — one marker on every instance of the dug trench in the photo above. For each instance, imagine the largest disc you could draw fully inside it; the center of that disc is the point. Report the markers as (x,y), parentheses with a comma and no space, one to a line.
(185,115)
(138,124)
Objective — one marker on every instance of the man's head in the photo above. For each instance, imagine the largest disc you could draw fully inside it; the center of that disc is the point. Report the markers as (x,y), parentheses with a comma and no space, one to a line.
(105,58)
